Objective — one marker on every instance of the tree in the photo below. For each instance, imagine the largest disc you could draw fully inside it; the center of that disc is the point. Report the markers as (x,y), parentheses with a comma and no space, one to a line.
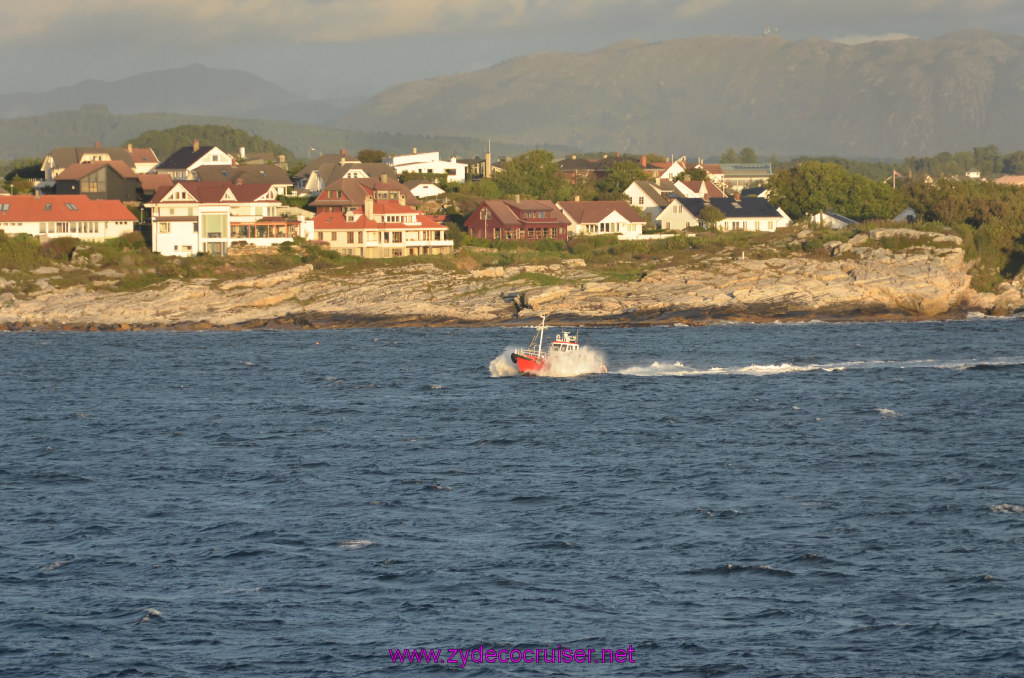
(534,174)
(813,186)
(748,156)
(711,216)
(371,155)
(612,185)
(729,156)
(228,139)
(693,174)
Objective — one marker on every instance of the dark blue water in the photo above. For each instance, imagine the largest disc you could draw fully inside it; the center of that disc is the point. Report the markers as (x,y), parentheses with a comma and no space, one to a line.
(732,500)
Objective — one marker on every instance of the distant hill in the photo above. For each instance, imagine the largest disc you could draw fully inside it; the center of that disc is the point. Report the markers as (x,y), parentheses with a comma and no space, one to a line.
(192,90)
(703,95)
(35,136)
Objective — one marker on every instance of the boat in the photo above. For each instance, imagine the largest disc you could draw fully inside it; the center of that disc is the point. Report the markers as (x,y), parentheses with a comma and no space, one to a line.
(532,360)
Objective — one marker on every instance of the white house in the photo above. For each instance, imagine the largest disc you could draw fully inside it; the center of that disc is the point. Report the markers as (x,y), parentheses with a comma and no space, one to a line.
(193,217)
(183,163)
(56,216)
(428,163)
(649,196)
(832,220)
(596,217)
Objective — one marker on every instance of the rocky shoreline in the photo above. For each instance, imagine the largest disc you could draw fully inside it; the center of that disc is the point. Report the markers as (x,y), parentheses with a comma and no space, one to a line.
(859,281)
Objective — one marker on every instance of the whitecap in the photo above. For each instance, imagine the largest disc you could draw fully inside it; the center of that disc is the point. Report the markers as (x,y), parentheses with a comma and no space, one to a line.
(887,414)
(355,543)
(1006,508)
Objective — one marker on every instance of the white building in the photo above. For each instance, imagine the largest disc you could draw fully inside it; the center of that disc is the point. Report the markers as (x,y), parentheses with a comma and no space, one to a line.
(428,163)
(597,217)
(57,216)
(193,217)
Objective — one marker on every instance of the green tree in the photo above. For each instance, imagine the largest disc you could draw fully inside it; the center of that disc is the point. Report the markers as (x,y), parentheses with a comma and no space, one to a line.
(814,186)
(612,185)
(729,156)
(710,216)
(371,155)
(748,156)
(693,174)
(534,174)
(228,139)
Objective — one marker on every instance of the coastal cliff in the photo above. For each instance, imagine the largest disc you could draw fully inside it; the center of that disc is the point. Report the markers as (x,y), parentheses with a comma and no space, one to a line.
(852,280)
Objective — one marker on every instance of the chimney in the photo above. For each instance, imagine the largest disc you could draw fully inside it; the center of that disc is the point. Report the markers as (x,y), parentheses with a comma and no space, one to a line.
(617,154)
(368,207)
(343,154)
(195,145)
(737,196)
(576,198)
(129,148)
(517,198)
(96,144)
(241,152)
(414,150)
(643,161)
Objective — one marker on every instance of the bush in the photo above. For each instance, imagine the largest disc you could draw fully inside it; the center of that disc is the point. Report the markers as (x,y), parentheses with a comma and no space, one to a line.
(20,252)
(59,249)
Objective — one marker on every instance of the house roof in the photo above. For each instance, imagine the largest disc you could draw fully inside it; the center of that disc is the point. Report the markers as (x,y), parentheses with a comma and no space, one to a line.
(747,208)
(331,168)
(80,170)
(653,190)
(154,182)
(209,192)
(184,157)
(69,155)
(703,188)
(354,191)
(509,213)
(32,208)
(595,211)
(356,218)
(246,174)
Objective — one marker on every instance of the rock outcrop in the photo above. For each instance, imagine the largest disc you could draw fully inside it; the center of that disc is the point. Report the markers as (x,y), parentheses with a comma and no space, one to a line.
(858,281)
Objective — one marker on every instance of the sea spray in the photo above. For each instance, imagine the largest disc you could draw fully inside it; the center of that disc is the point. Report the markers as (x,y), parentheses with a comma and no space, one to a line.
(502,366)
(586,360)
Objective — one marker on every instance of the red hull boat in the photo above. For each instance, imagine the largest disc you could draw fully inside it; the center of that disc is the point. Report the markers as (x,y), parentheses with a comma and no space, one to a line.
(531,360)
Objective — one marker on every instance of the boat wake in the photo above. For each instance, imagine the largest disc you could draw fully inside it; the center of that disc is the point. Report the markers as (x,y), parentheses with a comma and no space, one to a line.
(586,360)
(678,369)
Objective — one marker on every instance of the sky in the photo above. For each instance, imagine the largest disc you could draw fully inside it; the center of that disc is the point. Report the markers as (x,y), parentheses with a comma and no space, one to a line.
(328,49)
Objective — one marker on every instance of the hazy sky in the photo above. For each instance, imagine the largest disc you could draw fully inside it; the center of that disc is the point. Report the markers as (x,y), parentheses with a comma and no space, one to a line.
(335,48)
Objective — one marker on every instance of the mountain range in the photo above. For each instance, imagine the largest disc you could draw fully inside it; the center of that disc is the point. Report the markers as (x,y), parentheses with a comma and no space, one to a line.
(880,99)
(701,95)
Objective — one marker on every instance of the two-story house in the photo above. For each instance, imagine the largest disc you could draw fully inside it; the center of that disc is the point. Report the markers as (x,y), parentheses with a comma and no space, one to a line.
(102,180)
(381,229)
(352,192)
(518,220)
(139,160)
(191,217)
(330,168)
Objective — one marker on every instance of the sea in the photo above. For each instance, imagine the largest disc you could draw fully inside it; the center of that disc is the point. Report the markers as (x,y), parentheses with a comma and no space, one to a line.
(795,499)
